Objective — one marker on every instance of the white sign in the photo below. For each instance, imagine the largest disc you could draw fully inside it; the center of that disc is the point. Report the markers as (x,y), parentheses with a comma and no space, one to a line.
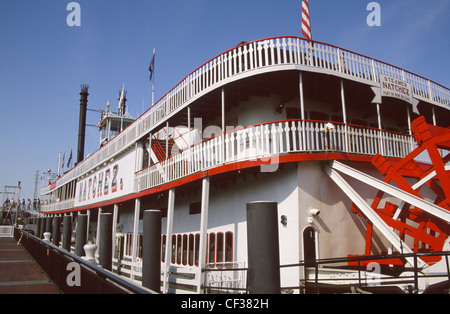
(393,87)
(109,182)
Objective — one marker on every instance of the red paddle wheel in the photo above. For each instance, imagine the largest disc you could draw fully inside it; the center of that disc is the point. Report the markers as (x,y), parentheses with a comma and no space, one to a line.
(423,229)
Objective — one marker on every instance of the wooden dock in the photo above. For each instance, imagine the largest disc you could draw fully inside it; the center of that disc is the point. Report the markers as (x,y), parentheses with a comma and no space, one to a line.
(19,273)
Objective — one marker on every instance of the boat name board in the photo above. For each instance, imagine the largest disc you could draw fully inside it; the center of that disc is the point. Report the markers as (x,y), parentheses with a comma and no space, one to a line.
(396,88)
(111,181)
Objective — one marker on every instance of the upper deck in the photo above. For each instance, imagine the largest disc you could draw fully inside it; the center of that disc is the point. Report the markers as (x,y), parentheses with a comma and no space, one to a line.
(259,142)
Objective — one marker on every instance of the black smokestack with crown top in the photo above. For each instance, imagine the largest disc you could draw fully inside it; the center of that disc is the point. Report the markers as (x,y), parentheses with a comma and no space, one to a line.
(82,122)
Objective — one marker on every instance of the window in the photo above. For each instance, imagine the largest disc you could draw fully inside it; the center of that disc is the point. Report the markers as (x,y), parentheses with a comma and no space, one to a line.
(163,248)
(195,208)
(179,249)
(185,248)
(139,245)
(229,246)
(197,248)
(174,242)
(219,247)
(212,248)
(191,250)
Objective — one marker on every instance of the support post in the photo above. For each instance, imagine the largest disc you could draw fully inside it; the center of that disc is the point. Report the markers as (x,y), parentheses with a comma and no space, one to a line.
(151,251)
(105,241)
(302,110)
(56,234)
(344,116)
(223,125)
(263,248)
(167,259)
(203,232)
(114,232)
(137,209)
(97,235)
(81,234)
(67,233)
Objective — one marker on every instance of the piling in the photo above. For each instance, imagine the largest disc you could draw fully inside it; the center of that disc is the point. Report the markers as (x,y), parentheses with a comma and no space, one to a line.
(105,241)
(151,252)
(263,248)
(67,233)
(81,234)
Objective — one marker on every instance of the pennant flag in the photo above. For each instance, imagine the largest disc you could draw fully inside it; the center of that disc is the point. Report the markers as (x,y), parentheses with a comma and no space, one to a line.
(64,156)
(306,23)
(70,159)
(151,67)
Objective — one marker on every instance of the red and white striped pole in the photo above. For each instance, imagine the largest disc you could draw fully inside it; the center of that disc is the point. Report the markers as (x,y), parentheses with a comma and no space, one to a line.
(306,22)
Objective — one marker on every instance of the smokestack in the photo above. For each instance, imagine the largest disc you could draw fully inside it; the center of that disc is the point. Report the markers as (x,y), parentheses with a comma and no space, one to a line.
(82,122)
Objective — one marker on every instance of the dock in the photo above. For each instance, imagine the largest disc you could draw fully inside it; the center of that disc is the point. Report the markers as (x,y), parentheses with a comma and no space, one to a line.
(19,272)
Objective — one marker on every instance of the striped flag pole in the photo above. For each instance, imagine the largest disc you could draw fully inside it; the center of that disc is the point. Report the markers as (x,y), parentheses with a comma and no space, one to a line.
(306,22)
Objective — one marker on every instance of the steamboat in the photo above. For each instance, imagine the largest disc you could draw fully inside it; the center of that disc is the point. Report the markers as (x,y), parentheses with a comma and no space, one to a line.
(352,151)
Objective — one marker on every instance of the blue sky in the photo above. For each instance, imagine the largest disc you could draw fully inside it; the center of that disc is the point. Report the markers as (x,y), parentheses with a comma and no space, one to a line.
(43,61)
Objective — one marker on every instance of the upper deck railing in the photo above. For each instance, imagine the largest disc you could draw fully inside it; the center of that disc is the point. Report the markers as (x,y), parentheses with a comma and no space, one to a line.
(268,141)
(273,54)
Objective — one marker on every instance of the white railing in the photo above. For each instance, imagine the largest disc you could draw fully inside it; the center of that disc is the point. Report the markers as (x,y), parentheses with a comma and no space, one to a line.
(55,206)
(267,142)
(271,54)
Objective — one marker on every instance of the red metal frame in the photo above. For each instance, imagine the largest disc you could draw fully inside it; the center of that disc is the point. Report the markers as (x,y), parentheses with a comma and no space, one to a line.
(429,233)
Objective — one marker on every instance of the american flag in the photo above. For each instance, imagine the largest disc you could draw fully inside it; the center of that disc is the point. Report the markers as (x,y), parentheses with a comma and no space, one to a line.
(306,23)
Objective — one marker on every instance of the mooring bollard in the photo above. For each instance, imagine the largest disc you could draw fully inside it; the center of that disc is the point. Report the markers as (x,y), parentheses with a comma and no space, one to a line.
(263,248)
(47,236)
(90,253)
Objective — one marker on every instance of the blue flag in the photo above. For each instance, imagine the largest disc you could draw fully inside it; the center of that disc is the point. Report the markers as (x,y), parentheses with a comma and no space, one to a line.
(151,67)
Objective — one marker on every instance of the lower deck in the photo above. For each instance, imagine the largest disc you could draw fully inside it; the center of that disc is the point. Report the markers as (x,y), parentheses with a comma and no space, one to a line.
(314,219)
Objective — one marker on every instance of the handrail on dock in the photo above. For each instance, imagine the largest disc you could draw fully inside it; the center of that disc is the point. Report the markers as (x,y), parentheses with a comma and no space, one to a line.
(71,273)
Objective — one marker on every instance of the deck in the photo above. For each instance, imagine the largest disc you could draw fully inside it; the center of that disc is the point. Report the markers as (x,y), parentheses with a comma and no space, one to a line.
(19,273)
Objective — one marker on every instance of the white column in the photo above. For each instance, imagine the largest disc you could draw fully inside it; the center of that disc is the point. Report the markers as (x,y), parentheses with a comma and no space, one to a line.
(139,156)
(223,125)
(302,110)
(167,139)
(115,218)
(344,116)
(137,208)
(380,132)
(97,240)
(168,257)
(88,212)
(434,115)
(203,232)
